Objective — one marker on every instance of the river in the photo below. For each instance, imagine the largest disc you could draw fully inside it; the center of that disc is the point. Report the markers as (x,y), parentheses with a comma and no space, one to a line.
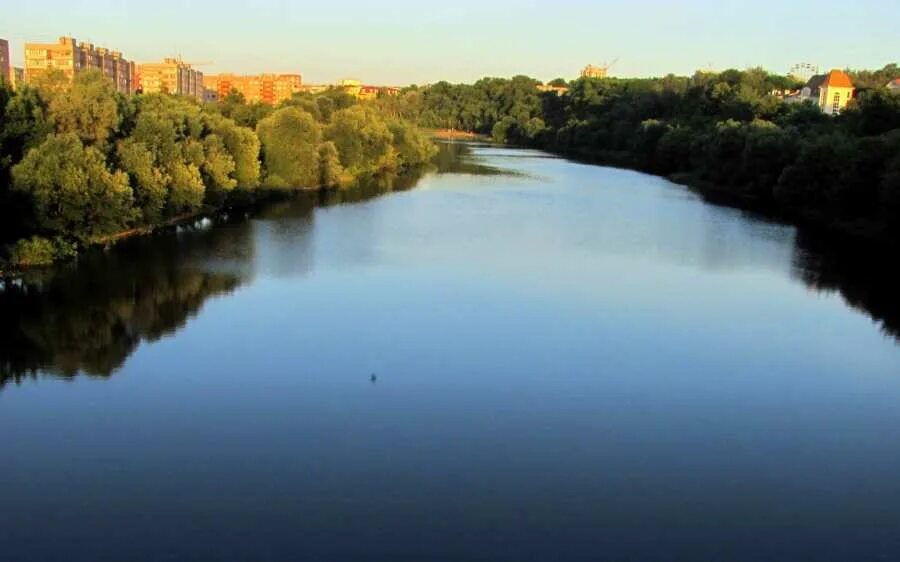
(513,357)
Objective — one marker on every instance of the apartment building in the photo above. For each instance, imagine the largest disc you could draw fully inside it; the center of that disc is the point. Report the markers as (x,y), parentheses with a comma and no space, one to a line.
(264,88)
(172,76)
(17,77)
(70,57)
(591,71)
(364,92)
(5,64)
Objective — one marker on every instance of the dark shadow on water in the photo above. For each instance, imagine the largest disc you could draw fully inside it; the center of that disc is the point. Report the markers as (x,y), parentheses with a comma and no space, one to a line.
(88,318)
(868,279)
(458,158)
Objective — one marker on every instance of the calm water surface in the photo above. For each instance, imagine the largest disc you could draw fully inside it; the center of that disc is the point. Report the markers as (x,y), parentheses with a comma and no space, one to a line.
(573,363)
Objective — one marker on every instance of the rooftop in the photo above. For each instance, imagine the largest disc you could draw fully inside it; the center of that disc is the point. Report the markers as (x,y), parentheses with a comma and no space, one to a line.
(838,79)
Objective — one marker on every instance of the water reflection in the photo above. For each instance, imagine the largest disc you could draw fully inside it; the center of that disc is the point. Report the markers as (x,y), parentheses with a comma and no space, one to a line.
(867,280)
(90,317)
(456,158)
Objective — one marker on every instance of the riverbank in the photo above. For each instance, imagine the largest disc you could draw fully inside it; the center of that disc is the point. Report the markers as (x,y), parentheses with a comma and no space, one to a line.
(71,186)
(240,201)
(453,134)
(859,232)
(723,134)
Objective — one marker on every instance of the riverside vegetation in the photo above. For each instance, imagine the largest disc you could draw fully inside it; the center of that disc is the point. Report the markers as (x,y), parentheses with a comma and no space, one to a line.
(723,133)
(82,165)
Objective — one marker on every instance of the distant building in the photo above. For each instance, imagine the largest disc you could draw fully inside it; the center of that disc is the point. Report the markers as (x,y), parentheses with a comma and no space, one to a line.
(315,89)
(71,58)
(5,64)
(558,90)
(894,86)
(810,92)
(171,76)
(264,88)
(802,72)
(350,86)
(365,92)
(591,71)
(18,77)
(831,92)
(836,92)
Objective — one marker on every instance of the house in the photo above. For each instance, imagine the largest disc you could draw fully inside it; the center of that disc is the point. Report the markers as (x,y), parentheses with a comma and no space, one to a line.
(894,86)
(831,92)
(810,92)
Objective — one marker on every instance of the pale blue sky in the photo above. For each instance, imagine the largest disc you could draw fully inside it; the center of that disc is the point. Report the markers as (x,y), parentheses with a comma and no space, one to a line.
(404,41)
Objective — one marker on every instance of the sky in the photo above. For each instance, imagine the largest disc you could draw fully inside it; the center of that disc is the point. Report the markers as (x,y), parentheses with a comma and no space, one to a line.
(404,42)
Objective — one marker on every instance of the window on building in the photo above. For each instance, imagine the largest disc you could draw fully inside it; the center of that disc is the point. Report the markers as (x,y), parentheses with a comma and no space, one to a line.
(836,106)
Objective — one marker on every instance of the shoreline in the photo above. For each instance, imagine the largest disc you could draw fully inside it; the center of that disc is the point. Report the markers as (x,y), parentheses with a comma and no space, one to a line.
(847,232)
(243,200)
(254,197)
(454,134)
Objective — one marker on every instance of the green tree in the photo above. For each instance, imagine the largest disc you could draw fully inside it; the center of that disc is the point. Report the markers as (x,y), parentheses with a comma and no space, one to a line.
(412,147)
(186,189)
(330,170)
(73,191)
(149,182)
(290,140)
(89,109)
(243,145)
(363,140)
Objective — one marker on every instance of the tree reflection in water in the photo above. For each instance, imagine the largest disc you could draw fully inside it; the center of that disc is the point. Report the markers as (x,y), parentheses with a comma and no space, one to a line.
(88,318)
(867,279)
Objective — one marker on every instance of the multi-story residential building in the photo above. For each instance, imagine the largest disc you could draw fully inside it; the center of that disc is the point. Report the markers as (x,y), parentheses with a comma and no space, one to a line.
(172,76)
(70,57)
(803,72)
(351,86)
(591,71)
(365,92)
(894,86)
(5,63)
(264,88)
(17,77)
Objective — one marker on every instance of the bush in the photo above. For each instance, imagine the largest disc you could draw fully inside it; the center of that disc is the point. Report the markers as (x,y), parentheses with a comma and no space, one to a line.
(37,251)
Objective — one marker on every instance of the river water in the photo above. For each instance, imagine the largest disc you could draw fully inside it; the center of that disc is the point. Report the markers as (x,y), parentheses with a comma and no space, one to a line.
(514,357)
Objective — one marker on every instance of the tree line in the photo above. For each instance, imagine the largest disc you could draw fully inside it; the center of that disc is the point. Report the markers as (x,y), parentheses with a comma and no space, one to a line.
(81,163)
(729,134)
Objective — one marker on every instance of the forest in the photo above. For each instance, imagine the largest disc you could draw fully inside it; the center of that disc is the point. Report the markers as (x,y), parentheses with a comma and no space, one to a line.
(81,164)
(729,135)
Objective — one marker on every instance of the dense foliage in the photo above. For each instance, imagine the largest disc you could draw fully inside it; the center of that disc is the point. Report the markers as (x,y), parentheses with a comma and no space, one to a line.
(80,163)
(726,133)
